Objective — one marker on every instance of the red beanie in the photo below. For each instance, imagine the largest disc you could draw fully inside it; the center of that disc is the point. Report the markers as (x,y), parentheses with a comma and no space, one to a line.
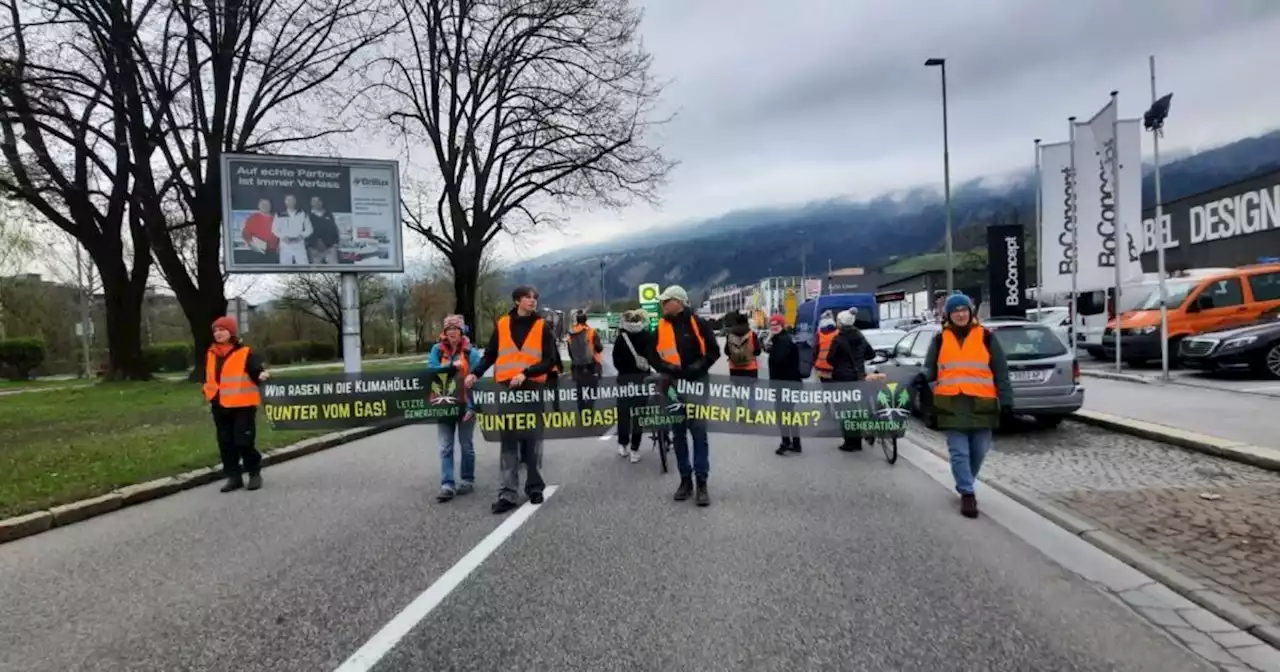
(226,322)
(778,320)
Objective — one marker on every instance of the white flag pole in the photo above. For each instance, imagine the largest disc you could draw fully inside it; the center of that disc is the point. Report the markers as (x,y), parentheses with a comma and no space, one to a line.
(1122,247)
(1075,251)
(1159,227)
(1039,235)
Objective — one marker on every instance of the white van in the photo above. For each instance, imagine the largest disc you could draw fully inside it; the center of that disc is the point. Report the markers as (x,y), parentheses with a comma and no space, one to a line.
(1095,309)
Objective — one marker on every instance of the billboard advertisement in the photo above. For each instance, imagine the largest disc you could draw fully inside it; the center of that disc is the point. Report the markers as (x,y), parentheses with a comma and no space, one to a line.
(291,214)
(1006,280)
(1233,225)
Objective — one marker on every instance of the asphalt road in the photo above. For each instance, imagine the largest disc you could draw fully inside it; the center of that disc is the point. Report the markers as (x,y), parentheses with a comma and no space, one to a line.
(822,561)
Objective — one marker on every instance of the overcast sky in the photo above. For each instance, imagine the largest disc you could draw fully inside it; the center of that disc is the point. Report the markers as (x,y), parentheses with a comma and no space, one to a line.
(787,102)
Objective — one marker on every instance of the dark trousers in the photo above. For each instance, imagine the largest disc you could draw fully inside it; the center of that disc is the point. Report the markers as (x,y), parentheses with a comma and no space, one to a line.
(237,435)
(585,379)
(629,432)
(513,453)
(790,434)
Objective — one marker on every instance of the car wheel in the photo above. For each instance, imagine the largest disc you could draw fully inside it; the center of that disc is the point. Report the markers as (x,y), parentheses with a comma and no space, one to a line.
(1270,362)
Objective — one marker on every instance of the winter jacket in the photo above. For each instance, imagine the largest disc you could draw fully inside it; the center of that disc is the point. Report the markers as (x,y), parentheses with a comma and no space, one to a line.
(849,355)
(693,363)
(437,359)
(965,412)
(623,361)
(784,358)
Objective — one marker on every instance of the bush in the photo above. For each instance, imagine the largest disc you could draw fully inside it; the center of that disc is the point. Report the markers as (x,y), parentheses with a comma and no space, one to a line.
(168,357)
(20,356)
(300,351)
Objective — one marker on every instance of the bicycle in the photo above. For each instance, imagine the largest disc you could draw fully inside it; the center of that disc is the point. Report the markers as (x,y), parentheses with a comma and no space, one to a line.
(661,443)
(888,444)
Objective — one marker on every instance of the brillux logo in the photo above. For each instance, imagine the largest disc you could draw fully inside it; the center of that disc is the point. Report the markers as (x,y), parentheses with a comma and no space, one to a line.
(893,402)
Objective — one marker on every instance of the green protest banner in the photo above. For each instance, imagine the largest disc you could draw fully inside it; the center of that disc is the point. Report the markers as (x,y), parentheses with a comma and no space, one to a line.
(343,401)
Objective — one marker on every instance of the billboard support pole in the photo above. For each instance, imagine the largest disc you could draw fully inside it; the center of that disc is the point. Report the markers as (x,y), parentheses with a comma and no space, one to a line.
(349,295)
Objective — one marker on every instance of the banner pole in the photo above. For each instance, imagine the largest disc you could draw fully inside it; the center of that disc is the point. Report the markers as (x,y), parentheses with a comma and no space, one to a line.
(1039,235)
(1159,231)
(1115,199)
(1075,251)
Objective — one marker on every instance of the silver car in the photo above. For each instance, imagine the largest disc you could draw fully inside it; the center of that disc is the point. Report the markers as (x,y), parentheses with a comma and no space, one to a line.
(1044,373)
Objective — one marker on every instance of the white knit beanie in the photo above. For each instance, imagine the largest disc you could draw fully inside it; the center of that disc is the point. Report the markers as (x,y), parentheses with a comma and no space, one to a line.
(846,318)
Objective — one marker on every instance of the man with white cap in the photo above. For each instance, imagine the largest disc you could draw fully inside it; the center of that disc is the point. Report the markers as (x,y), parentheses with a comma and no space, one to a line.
(686,348)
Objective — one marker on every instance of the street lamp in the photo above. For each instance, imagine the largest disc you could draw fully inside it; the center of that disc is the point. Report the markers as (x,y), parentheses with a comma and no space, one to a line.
(604,304)
(946,171)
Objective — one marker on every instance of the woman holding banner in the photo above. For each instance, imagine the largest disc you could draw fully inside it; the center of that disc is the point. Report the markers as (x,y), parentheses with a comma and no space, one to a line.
(454,351)
(631,352)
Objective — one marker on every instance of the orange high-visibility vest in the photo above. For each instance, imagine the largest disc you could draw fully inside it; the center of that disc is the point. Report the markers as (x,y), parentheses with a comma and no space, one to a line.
(591,341)
(667,341)
(965,368)
(755,364)
(512,360)
(233,388)
(825,339)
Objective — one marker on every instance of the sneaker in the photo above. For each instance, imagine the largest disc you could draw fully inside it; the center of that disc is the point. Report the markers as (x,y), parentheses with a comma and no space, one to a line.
(255,482)
(968,506)
(446,493)
(685,490)
(233,483)
(622,451)
(465,487)
(502,506)
(635,456)
(702,498)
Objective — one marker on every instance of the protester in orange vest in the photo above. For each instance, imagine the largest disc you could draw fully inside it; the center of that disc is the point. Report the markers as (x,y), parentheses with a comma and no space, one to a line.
(585,357)
(686,348)
(521,352)
(970,379)
(232,374)
(826,335)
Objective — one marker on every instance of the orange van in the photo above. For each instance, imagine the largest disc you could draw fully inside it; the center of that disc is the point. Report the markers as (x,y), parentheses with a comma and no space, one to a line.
(1196,305)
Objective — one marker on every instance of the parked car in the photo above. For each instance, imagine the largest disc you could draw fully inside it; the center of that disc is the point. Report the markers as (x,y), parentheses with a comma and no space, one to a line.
(1255,347)
(883,340)
(1057,318)
(1044,372)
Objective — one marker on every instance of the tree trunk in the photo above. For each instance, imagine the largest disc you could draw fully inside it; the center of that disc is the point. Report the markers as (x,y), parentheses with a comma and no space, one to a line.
(123,304)
(466,281)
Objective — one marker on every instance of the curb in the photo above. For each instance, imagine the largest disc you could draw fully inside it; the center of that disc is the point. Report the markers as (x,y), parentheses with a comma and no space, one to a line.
(26,525)
(1176,381)
(1112,375)
(1224,607)
(1236,451)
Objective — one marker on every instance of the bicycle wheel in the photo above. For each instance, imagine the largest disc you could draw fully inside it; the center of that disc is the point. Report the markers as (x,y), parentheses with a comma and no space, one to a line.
(890,446)
(661,440)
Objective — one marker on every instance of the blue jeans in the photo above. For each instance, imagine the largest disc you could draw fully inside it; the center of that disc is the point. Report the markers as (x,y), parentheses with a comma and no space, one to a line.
(968,448)
(466,433)
(701,451)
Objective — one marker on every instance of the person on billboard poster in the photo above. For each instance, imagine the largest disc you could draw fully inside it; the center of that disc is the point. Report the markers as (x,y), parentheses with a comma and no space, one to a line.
(322,244)
(264,247)
(292,227)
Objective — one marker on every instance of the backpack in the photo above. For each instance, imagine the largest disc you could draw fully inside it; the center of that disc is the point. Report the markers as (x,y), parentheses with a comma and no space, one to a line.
(580,350)
(739,349)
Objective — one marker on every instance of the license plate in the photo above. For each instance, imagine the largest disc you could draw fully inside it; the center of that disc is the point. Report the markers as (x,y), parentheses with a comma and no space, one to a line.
(1027,376)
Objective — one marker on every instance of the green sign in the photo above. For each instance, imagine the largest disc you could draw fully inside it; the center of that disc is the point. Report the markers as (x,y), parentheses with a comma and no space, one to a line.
(649,292)
(613,319)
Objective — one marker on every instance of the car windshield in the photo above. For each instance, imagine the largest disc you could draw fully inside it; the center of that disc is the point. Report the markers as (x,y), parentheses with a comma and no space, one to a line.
(883,338)
(1177,292)
(1023,342)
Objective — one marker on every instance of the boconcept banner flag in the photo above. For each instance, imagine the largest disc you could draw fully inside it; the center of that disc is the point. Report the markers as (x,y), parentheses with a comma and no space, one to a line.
(1104,238)
(1057,220)
(1005,276)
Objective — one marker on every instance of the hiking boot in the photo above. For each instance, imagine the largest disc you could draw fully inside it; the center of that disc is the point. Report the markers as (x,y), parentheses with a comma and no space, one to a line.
(685,490)
(783,448)
(795,446)
(847,446)
(536,498)
(502,506)
(702,498)
(233,483)
(255,482)
(446,493)
(968,506)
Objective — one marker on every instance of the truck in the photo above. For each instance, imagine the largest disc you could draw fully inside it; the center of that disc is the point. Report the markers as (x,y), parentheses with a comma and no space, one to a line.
(809,312)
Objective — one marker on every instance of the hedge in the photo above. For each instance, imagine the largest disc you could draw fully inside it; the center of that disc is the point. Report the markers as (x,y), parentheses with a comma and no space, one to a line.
(168,357)
(300,351)
(19,357)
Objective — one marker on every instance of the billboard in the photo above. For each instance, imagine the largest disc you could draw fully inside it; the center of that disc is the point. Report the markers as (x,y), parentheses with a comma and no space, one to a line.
(292,214)
(1006,281)
(1233,225)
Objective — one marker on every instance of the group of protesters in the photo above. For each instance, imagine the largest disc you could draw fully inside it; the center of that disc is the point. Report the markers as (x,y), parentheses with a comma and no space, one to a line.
(965,366)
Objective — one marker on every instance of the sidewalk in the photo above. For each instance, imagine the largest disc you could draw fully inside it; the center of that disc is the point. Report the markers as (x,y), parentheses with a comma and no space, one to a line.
(1243,418)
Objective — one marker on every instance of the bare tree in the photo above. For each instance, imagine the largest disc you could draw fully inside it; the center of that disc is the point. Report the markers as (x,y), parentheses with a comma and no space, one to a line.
(66,143)
(243,76)
(320,295)
(528,107)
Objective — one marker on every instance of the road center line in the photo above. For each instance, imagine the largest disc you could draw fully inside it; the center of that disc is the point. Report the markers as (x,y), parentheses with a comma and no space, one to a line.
(390,635)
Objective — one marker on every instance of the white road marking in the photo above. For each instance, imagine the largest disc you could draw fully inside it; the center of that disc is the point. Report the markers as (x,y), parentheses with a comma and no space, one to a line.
(390,635)
(609,434)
